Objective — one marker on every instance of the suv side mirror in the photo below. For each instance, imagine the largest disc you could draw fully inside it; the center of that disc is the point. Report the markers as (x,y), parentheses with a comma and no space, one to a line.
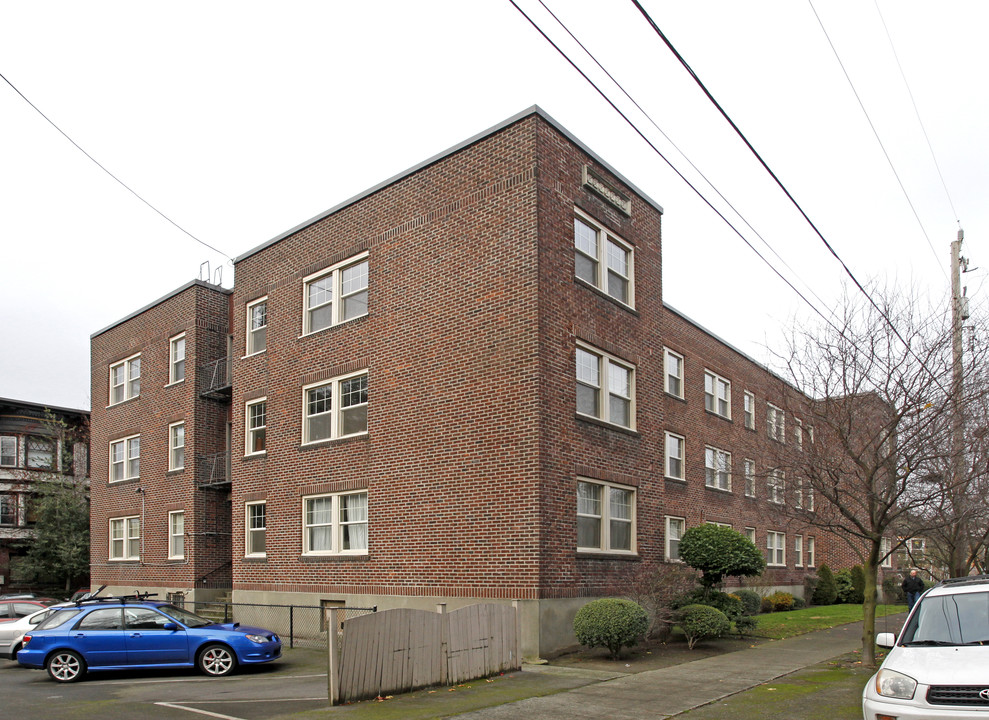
(886,640)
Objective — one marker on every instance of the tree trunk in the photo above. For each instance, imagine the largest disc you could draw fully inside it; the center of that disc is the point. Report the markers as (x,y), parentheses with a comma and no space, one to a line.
(869,615)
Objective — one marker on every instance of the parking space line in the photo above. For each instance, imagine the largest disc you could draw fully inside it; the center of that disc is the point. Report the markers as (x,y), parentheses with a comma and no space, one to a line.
(200,712)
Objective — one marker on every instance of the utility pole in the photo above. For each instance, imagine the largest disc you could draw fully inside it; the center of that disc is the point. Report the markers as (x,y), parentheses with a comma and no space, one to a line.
(958,487)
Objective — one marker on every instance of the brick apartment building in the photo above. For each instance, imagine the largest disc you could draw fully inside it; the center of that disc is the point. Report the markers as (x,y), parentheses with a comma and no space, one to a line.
(462,385)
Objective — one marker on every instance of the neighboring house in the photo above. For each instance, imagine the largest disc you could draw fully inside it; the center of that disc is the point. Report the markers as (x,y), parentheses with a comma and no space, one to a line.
(461,385)
(32,449)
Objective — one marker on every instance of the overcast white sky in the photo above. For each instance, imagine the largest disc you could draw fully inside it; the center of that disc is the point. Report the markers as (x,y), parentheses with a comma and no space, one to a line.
(240,120)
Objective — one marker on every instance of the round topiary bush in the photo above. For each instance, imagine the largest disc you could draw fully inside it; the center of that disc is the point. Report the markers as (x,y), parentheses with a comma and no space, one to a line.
(826,591)
(702,621)
(782,601)
(751,601)
(613,623)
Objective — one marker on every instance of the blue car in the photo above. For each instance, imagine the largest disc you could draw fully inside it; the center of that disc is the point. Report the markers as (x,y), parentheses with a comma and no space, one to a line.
(123,633)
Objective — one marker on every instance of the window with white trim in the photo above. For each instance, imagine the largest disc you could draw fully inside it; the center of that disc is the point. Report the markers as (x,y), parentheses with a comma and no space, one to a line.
(605,517)
(776,486)
(256,529)
(256,426)
(176,359)
(798,550)
(717,394)
(675,445)
(675,527)
(8,451)
(750,534)
(748,409)
(885,552)
(775,423)
(798,435)
(257,326)
(811,547)
(673,371)
(335,409)
(41,453)
(125,458)
(603,260)
(125,538)
(605,387)
(717,468)
(719,524)
(335,295)
(125,379)
(176,446)
(335,524)
(776,548)
(803,495)
(176,535)
(748,468)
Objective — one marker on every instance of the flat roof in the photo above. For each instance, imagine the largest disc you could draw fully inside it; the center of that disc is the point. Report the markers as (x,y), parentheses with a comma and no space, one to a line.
(159,301)
(41,407)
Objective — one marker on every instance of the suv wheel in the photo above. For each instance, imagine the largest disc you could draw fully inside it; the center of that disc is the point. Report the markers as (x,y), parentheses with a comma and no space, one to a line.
(217,660)
(65,666)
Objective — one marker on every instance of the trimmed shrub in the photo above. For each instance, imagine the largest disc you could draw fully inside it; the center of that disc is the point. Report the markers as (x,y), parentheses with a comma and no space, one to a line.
(843,586)
(858,582)
(893,591)
(751,601)
(799,603)
(730,604)
(781,601)
(702,621)
(720,552)
(613,623)
(810,585)
(765,605)
(745,624)
(826,591)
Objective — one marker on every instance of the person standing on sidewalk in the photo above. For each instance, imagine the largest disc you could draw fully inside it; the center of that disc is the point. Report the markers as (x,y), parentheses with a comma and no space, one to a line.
(912,586)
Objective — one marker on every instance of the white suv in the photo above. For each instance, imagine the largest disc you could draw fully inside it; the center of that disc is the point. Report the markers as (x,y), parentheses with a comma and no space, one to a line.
(939,665)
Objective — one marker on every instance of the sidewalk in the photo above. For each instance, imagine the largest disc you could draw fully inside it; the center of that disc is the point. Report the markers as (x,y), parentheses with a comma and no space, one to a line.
(673,690)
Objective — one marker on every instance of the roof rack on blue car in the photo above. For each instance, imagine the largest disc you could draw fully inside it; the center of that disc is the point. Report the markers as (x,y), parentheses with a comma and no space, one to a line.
(136,597)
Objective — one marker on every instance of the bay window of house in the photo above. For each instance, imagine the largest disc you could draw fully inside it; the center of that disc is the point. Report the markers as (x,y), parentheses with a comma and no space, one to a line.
(125,458)
(8,509)
(176,446)
(775,423)
(798,550)
(605,517)
(176,359)
(125,379)
(125,538)
(717,395)
(603,260)
(775,486)
(675,527)
(324,420)
(176,535)
(717,468)
(40,453)
(811,548)
(257,326)
(335,295)
(605,387)
(256,423)
(256,529)
(8,451)
(776,549)
(673,372)
(749,472)
(748,409)
(674,456)
(335,524)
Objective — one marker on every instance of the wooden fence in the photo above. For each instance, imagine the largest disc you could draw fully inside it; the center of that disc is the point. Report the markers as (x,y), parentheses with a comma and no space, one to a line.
(401,650)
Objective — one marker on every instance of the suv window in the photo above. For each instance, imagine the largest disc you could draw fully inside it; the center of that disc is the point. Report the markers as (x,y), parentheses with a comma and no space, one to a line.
(144,619)
(58,619)
(102,619)
(957,619)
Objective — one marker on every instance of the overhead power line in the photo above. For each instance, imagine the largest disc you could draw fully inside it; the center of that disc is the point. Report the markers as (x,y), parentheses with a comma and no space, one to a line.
(119,181)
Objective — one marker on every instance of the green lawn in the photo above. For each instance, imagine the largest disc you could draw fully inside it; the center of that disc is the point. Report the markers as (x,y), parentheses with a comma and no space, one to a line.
(780,625)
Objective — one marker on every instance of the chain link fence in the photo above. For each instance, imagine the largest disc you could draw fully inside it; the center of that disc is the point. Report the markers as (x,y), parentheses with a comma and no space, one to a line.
(298,625)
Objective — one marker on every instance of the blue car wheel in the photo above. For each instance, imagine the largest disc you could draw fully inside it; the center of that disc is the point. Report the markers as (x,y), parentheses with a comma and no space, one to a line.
(217,660)
(65,666)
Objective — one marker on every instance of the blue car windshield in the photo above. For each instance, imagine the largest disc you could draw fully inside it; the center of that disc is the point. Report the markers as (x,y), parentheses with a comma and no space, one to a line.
(185,617)
(58,618)
(950,619)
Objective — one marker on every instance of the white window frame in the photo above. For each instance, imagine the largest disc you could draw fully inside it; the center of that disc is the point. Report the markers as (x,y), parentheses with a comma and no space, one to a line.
(336,410)
(336,525)
(681,447)
(334,276)
(748,409)
(130,384)
(775,548)
(776,486)
(601,260)
(128,538)
(601,385)
(252,431)
(803,495)
(798,551)
(605,519)
(885,549)
(176,344)
(249,530)
(672,382)
(717,394)
(127,458)
(681,525)
(252,334)
(8,449)
(717,468)
(750,534)
(176,535)
(775,423)
(174,446)
(748,470)
(719,524)
(798,436)
(811,551)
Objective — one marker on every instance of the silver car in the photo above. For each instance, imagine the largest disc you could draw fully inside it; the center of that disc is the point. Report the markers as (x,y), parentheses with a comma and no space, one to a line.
(12,632)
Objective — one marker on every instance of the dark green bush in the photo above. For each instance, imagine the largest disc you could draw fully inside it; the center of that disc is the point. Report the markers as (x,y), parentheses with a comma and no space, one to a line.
(613,623)
(826,591)
(799,603)
(751,601)
(702,621)
(892,590)
(720,552)
(730,604)
(745,624)
(765,605)
(843,586)
(810,584)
